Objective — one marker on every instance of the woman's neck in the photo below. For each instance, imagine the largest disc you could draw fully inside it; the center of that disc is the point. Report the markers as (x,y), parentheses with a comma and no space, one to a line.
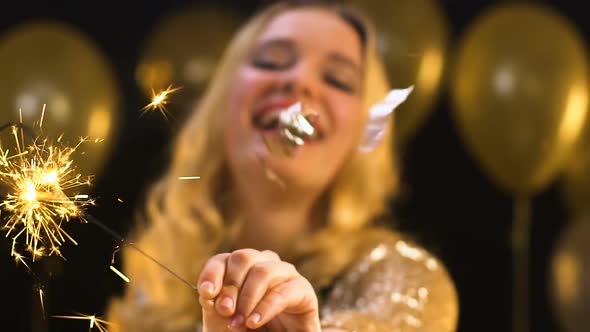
(273,220)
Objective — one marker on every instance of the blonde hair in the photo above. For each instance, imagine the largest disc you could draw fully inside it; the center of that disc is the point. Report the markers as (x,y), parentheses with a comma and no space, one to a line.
(188,220)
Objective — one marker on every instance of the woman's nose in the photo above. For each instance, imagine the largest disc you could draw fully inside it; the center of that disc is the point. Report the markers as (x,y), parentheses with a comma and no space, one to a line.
(302,83)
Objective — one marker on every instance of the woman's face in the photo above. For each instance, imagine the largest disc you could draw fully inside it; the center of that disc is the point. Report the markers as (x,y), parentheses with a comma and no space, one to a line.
(307,55)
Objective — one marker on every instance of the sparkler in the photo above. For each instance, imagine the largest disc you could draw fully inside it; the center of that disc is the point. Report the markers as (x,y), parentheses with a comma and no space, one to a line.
(159,101)
(38,178)
(92,320)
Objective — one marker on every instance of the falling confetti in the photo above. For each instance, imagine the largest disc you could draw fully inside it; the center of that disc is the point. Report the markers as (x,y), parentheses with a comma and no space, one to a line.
(294,128)
(379,116)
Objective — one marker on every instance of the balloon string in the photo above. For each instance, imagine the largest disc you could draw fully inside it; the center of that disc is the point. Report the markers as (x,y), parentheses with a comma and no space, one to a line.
(121,239)
(521,262)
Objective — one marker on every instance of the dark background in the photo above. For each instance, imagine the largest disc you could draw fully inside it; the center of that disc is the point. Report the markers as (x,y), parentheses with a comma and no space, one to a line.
(448,203)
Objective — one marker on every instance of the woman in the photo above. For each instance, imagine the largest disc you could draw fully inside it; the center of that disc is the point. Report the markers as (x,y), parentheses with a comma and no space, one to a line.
(297,254)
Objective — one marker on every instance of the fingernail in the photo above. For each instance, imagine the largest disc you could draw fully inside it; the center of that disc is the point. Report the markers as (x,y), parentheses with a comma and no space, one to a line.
(254,318)
(237,321)
(227,302)
(206,287)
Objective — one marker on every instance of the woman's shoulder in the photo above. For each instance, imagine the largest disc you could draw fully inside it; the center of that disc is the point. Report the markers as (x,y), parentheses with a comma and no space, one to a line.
(393,278)
(332,253)
(378,243)
(394,250)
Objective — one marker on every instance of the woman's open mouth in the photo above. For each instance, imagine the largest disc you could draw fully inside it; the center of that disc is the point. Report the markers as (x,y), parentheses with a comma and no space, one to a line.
(266,120)
(288,121)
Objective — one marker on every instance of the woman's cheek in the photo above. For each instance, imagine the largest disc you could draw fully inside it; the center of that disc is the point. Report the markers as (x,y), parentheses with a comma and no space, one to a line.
(349,120)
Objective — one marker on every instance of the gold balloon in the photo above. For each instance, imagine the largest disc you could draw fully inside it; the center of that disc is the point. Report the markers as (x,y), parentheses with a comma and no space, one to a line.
(50,63)
(183,50)
(570,277)
(520,91)
(413,38)
(576,180)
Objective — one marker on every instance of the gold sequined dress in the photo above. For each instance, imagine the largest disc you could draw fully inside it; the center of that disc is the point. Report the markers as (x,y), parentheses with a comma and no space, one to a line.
(372,280)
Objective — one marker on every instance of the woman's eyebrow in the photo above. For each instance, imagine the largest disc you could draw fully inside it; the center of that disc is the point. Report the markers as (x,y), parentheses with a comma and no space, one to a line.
(275,42)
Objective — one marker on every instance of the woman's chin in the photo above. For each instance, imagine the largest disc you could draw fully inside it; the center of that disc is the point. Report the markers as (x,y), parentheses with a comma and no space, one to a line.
(290,164)
(295,173)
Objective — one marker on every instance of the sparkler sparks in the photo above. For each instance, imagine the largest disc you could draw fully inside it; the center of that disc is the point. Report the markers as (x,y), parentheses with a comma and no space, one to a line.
(41,300)
(39,290)
(92,319)
(189,177)
(159,101)
(38,177)
(18,258)
(120,274)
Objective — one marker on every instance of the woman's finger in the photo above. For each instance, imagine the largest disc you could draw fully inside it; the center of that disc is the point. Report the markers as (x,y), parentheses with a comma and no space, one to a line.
(261,278)
(239,263)
(212,321)
(211,278)
(294,297)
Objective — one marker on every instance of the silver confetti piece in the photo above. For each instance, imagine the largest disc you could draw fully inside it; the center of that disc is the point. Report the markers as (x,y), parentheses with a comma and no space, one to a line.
(294,129)
(379,115)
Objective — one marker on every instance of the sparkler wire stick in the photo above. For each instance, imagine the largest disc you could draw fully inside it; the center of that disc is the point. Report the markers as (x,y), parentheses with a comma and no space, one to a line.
(17,125)
(114,234)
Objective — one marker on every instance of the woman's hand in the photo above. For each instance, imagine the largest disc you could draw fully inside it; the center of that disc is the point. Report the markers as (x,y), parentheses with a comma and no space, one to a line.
(251,289)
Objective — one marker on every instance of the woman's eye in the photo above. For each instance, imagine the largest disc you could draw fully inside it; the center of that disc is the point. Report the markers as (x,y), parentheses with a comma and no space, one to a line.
(339,84)
(274,57)
(270,64)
